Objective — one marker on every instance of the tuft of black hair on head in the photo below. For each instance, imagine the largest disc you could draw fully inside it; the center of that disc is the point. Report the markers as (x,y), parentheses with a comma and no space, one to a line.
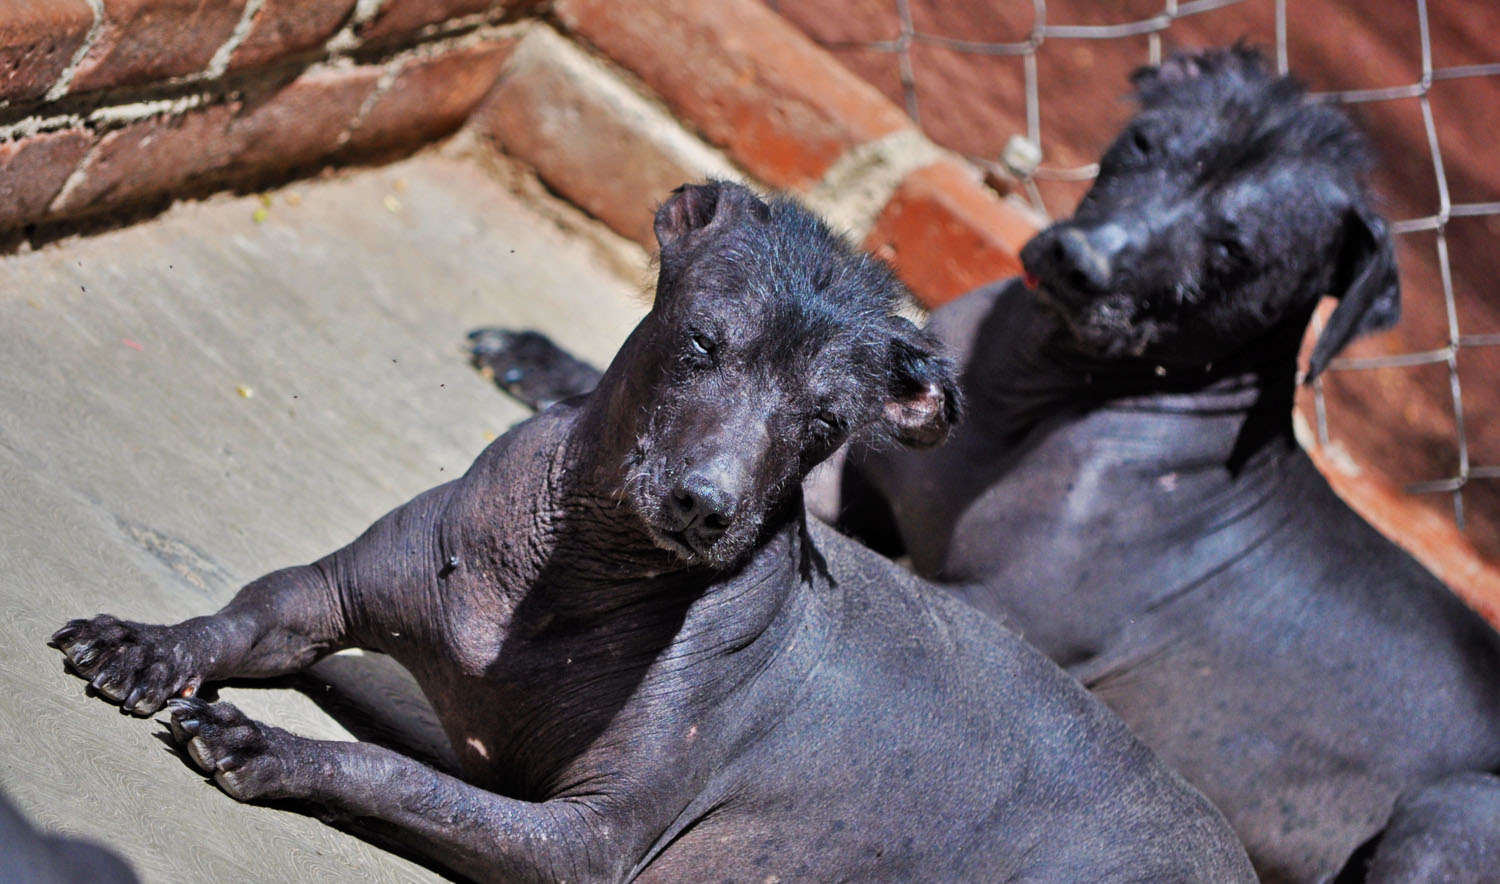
(1238,83)
(796,251)
(1239,66)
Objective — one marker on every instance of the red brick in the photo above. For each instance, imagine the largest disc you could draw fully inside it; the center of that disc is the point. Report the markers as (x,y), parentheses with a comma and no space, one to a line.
(751,82)
(301,121)
(32,172)
(37,40)
(153,156)
(945,233)
(847,22)
(586,141)
(296,124)
(404,16)
(147,40)
(431,97)
(285,27)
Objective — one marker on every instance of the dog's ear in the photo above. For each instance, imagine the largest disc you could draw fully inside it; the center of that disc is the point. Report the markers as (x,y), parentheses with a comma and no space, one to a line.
(693,208)
(1365,282)
(1239,63)
(922,403)
(1171,72)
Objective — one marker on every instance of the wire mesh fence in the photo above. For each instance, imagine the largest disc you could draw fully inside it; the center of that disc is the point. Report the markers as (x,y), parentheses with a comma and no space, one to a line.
(865,33)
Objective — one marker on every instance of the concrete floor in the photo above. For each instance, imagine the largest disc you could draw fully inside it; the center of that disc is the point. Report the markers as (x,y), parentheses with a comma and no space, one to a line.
(232,387)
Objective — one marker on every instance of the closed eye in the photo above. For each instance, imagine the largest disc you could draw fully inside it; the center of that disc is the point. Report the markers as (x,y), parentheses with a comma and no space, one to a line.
(826,423)
(1131,151)
(1140,142)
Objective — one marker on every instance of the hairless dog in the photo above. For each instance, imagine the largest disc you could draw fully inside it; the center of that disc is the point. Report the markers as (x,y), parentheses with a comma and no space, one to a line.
(652,666)
(1128,494)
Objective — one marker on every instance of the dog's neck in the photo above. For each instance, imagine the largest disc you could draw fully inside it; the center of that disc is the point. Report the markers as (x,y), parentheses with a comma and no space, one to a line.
(1027,371)
(656,651)
(641,629)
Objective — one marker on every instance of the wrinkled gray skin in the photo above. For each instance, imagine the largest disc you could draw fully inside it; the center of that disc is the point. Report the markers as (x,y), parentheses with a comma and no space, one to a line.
(1127,493)
(652,666)
(1444,833)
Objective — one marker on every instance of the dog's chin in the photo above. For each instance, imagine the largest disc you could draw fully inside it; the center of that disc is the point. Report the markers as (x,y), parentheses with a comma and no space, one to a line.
(1075,309)
(719,552)
(1107,341)
(676,542)
(717,555)
(1105,327)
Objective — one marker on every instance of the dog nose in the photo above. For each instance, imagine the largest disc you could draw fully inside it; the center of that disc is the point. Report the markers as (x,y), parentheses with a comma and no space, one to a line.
(1079,257)
(1081,260)
(699,504)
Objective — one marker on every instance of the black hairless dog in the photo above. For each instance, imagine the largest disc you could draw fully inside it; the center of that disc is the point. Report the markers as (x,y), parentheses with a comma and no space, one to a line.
(1127,492)
(652,666)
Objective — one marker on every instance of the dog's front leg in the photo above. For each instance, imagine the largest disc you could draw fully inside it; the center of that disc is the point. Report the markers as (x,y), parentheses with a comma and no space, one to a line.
(280,623)
(481,834)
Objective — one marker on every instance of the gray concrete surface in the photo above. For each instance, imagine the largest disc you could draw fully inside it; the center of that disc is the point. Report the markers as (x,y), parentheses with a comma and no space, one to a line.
(193,401)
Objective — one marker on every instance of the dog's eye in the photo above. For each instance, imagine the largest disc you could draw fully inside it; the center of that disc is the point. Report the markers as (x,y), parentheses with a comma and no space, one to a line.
(1140,142)
(701,347)
(1131,150)
(826,423)
(1227,255)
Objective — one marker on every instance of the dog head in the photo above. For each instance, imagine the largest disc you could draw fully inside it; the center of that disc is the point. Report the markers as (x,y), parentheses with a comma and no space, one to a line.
(1227,207)
(770,342)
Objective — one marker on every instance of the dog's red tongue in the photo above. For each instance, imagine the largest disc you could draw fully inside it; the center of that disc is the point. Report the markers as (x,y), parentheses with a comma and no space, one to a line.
(1030,280)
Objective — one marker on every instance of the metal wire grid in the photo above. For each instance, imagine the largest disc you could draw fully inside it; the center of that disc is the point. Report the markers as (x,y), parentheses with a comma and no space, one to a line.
(1152,28)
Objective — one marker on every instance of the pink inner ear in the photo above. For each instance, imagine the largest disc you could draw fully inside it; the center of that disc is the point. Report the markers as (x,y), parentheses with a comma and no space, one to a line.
(920,417)
(680,220)
(685,211)
(691,207)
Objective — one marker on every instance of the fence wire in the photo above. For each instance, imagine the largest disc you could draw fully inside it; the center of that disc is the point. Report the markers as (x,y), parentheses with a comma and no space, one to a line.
(1023,160)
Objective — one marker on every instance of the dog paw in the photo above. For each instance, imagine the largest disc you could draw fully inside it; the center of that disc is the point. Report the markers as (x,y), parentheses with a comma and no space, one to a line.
(250,761)
(134,664)
(528,366)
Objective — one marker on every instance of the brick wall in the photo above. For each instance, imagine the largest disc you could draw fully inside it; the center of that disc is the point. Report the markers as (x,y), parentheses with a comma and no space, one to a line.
(108,105)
